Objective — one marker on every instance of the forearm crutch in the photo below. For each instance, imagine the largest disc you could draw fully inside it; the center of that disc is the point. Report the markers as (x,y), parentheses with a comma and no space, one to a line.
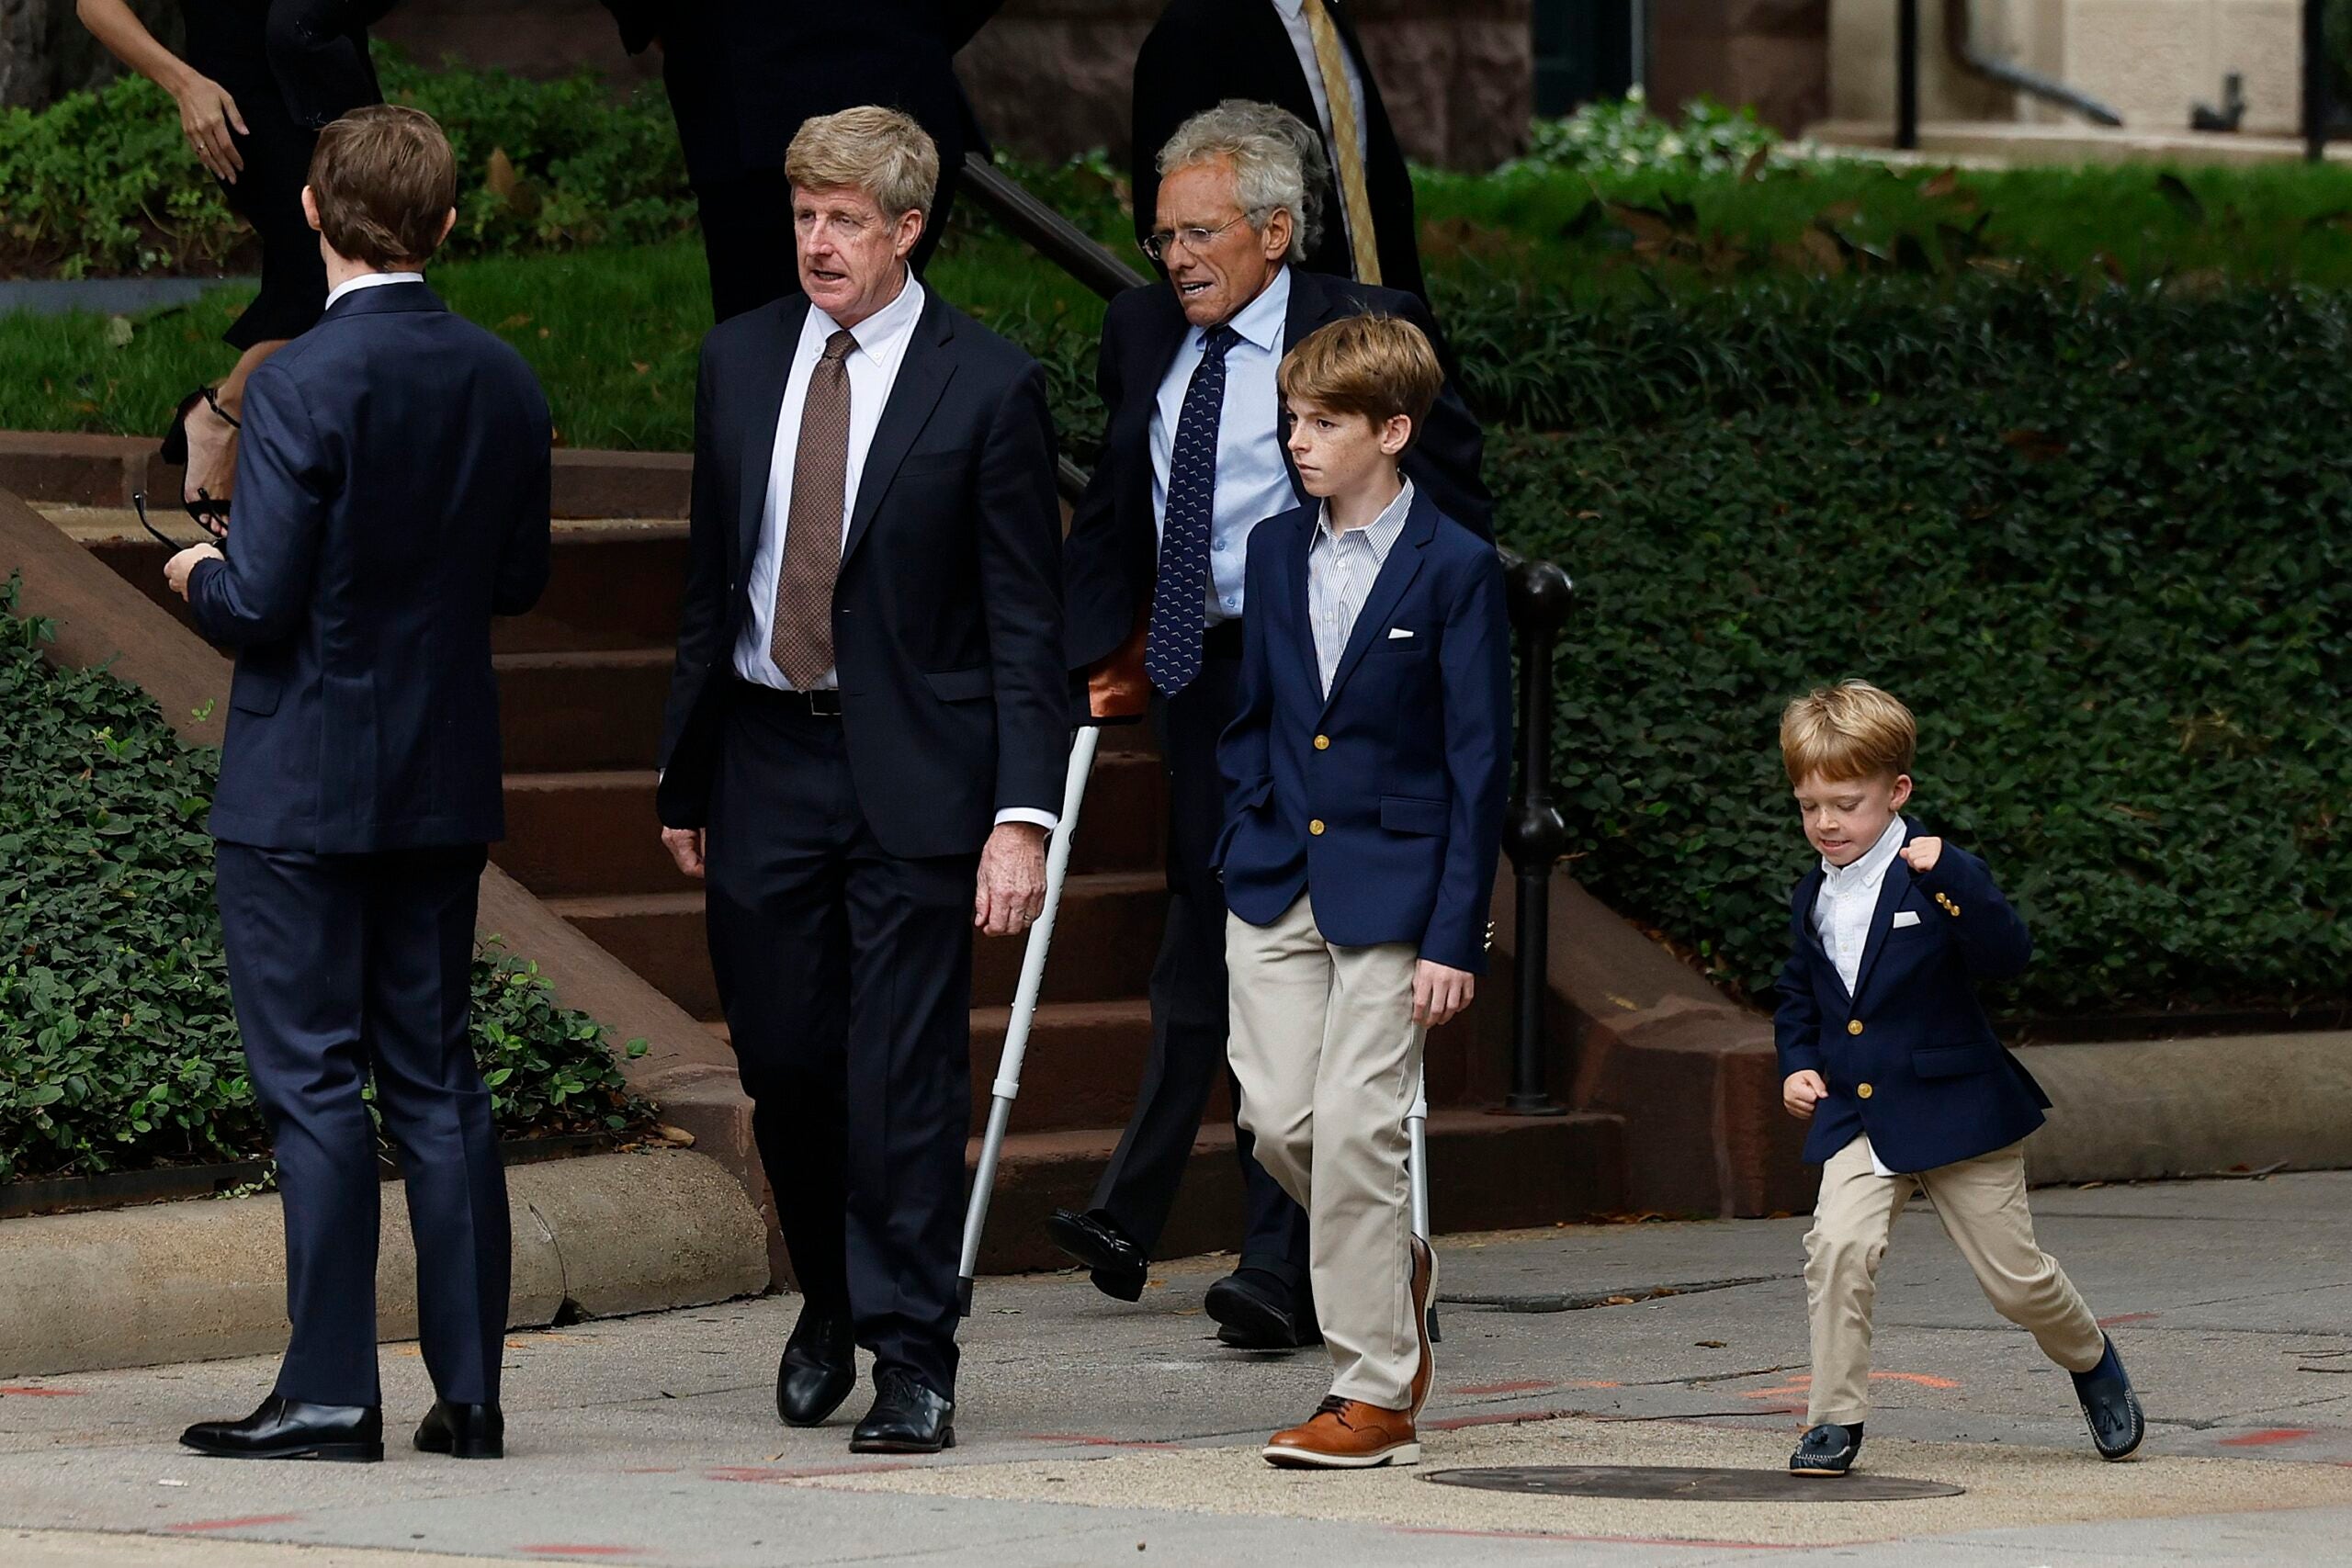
(1007,1088)
(1417,1128)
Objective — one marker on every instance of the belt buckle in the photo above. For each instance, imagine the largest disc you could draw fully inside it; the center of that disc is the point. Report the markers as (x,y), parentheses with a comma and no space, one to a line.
(824,705)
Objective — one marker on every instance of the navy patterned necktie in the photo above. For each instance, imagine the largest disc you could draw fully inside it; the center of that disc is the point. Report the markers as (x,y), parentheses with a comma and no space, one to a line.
(1172,650)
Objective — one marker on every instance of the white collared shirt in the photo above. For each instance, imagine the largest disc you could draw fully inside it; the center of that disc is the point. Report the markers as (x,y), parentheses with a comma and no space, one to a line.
(368,280)
(1253,480)
(873,367)
(1841,914)
(1341,566)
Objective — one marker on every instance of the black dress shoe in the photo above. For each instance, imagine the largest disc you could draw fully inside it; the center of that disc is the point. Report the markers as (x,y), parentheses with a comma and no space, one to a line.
(286,1428)
(2111,1407)
(462,1431)
(818,1369)
(1827,1450)
(1095,1239)
(1254,1311)
(907,1418)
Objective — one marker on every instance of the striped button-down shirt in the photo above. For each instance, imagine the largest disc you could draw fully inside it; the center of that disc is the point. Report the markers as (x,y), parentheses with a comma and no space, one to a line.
(1340,567)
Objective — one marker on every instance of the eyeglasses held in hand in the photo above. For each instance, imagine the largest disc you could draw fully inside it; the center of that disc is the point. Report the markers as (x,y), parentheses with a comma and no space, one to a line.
(218,541)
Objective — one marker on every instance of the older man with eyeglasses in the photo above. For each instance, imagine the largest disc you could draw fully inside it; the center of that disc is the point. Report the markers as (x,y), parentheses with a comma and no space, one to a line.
(1193,460)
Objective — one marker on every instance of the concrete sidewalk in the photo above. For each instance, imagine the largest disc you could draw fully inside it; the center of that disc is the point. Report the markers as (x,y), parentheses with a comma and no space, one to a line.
(1093,1430)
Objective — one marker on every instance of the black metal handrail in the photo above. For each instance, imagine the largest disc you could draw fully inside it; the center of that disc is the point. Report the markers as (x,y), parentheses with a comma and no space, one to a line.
(1535,835)
(2319,107)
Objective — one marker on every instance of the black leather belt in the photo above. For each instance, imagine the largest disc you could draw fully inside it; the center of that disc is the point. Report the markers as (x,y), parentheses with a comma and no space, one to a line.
(803,705)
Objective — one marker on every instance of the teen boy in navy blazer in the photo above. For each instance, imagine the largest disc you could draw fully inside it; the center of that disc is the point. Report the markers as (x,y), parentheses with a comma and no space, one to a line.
(391,498)
(1365,776)
(1886,1049)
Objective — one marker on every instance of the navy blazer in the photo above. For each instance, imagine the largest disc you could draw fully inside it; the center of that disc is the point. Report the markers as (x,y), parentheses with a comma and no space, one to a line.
(1387,799)
(1910,1057)
(391,497)
(1112,557)
(947,614)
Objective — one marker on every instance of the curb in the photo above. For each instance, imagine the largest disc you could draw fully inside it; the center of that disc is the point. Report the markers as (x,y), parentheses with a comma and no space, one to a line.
(200,1280)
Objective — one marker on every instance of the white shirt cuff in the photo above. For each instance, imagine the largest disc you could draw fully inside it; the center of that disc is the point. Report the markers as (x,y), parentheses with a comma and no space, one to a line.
(1028,814)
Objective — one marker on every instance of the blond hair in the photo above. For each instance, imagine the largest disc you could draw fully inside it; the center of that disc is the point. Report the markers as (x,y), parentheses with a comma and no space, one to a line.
(384,180)
(1378,367)
(1851,730)
(881,151)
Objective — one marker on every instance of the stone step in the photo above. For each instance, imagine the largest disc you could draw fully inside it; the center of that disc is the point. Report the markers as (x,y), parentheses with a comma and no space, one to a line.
(595,832)
(582,710)
(611,585)
(1107,935)
(1487,1172)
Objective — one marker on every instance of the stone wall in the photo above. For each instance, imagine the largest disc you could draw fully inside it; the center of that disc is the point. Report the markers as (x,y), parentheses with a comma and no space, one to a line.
(1773,54)
(2149,60)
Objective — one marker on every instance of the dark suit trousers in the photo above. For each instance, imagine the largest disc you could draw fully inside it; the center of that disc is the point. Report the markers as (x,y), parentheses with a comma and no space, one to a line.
(341,966)
(1189,1005)
(846,977)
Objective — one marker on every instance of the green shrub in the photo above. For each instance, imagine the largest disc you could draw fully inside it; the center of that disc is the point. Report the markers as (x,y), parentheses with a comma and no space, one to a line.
(1621,136)
(118,1048)
(2115,585)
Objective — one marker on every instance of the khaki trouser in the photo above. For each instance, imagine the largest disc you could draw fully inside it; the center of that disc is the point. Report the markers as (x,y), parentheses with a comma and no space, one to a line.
(1328,1058)
(1982,1205)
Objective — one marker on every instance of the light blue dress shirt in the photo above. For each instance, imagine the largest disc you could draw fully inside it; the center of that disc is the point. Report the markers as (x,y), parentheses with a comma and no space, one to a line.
(1253,480)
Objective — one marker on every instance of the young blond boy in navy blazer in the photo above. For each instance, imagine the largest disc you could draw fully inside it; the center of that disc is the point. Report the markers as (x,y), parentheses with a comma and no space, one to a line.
(1887,1051)
(1365,776)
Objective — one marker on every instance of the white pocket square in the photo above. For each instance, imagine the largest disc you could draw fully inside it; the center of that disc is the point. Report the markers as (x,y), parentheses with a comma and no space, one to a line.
(1905,918)
(1395,632)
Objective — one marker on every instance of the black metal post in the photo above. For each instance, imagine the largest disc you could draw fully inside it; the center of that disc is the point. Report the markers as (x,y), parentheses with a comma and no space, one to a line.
(1907,74)
(2315,104)
(1535,835)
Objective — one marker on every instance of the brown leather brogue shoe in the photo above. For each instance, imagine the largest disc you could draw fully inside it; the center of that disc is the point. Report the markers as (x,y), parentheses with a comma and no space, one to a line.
(1346,1434)
(1424,1293)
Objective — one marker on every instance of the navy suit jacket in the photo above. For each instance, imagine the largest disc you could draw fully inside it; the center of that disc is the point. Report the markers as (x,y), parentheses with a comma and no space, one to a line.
(1404,767)
(391,497)
(1111,556)
(1910,1057)
(947,615)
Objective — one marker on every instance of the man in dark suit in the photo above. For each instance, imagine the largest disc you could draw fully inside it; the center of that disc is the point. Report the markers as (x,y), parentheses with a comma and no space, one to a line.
(743,74)
(1303,56)
(865,748)
(1193,460)
(391,498)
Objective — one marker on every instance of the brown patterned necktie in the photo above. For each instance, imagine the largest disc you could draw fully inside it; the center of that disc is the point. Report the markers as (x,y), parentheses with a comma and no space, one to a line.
(801,641)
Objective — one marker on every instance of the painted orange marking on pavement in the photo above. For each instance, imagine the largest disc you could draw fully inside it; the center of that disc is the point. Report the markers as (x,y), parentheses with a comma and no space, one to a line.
(1528,1387)
(2265,1438)
(236,1524)
(28,1391)
(756,1472)
(1922,1379)
(2129,1317)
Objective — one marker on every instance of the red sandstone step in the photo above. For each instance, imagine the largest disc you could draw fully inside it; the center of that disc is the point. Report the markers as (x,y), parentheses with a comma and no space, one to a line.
(611,585)
(1108,934)
(582,711)
(1487,1172)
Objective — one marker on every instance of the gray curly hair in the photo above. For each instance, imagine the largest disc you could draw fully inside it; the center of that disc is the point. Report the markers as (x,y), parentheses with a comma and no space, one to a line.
(1277,163)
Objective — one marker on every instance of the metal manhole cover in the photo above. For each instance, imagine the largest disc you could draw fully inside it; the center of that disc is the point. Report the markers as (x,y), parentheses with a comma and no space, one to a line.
(1675,1484)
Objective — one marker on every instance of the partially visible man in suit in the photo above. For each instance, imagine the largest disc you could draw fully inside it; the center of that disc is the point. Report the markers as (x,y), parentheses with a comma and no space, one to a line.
(864,746)
(391,498)
(1193,459)
(1303,56)
(744,75)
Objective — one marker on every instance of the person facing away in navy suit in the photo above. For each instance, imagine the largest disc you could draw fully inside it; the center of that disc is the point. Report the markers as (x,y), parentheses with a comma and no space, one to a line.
(1887,1052)
(391,498)
(1365,775)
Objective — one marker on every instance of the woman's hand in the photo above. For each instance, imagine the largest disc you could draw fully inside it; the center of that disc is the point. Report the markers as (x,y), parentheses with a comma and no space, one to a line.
(207,116)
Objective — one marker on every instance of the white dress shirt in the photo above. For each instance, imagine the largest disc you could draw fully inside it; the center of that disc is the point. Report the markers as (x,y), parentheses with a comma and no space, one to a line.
(873,367)
(1341,565)
(368,280)
(1252,479)
(1841,914)
(1302,40)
